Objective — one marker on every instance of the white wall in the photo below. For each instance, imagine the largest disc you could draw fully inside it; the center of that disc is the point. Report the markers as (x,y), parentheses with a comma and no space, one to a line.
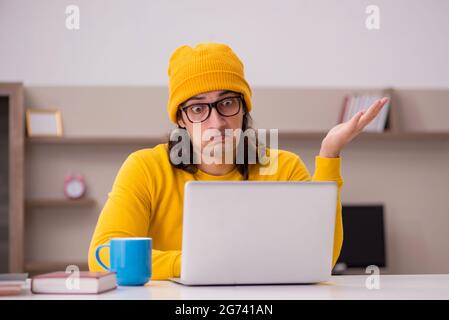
(282,43)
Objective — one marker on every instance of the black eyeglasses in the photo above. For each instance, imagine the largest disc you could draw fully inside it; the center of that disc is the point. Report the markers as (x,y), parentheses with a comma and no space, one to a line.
(226,107)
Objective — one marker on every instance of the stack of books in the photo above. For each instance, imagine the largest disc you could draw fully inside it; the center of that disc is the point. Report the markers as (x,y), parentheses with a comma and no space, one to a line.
(12,283)
(361,102)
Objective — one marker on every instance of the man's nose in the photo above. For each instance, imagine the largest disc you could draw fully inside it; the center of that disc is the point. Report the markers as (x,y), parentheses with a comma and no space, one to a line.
(215,119)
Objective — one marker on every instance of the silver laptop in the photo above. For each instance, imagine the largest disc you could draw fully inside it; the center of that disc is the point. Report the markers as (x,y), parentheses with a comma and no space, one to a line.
(254,232)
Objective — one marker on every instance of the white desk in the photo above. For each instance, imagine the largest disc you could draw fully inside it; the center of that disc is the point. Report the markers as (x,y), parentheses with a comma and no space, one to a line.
(339,287)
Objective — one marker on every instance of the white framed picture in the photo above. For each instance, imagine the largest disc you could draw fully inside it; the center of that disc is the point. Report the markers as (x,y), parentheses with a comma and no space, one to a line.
(43,123)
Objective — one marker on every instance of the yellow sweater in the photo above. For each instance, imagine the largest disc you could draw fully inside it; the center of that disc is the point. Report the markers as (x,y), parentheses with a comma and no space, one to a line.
(146,200)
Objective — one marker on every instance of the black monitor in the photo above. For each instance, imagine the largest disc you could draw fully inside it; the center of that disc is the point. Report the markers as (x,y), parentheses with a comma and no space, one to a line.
(363,237)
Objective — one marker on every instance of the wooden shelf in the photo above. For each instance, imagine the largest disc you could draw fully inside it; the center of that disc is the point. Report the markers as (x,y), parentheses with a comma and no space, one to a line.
(283,135)
(39,203)
(387,135)
(97,140)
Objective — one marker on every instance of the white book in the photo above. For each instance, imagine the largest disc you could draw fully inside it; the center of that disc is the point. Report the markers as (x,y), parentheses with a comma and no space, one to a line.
(87,282)
(383,115)
(348,109)
(372,126)
(354,105)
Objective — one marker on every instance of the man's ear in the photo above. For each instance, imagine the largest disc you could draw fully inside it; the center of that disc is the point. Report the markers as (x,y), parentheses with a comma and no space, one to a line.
(181,122)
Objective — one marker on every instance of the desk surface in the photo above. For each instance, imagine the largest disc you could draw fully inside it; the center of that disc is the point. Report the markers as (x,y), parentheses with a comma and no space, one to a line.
(339,287)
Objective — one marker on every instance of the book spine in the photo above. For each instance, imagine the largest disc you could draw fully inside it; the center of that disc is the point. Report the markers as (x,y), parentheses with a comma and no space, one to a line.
(343,110)
(352,107)
(383,114)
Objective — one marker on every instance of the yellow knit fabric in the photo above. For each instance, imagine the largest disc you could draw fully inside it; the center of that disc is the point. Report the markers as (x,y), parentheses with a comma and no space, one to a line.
(147,200)
(206,67)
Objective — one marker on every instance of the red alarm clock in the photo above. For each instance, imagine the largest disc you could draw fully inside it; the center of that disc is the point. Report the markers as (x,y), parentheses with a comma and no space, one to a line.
(74,186)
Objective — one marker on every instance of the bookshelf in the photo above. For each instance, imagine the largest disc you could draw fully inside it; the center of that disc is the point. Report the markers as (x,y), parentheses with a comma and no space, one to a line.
(287,135)
(418,120)
(11,177)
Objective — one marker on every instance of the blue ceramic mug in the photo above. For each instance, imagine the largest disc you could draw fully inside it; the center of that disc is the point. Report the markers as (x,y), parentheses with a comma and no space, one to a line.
(130,259)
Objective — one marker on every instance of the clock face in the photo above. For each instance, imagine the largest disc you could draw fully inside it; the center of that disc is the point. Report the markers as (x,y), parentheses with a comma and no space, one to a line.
(74,188)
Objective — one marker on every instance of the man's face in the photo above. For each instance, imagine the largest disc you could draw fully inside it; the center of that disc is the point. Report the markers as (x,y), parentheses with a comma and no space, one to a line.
(213,128)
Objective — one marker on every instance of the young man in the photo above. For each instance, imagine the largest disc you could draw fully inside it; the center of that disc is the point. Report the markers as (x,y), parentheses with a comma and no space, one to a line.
(208,96)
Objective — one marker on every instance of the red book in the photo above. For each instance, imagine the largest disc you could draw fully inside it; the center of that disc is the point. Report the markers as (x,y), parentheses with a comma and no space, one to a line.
(82,282)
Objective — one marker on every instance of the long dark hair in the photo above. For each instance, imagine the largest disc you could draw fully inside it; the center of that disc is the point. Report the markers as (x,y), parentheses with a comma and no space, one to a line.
(249,146)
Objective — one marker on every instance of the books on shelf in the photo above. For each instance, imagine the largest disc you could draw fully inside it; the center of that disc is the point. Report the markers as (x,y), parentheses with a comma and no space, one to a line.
(361,102)
(74,283)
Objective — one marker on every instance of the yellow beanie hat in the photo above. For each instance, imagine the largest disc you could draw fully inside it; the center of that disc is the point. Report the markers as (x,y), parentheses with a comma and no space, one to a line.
(206,67)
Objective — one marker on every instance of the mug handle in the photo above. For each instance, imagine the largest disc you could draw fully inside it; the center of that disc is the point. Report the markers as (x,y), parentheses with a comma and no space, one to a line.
(97,256)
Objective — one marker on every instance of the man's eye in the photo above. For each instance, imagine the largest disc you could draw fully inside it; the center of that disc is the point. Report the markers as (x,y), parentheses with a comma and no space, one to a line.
(197,109)
(227,102)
